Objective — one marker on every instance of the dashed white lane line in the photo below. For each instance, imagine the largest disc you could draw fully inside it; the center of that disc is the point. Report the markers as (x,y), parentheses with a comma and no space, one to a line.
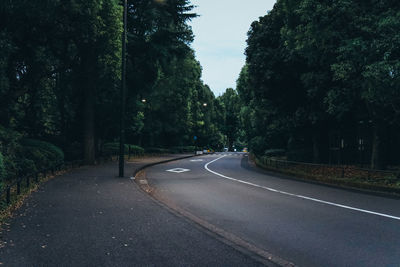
(297,196)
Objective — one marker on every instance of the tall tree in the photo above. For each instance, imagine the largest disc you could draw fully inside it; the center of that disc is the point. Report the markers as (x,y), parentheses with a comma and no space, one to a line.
(230,104)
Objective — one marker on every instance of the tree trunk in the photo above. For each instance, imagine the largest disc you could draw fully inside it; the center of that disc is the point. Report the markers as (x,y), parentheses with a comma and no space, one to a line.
(88,80)
(377,155)
(88,127)
(230,144)
(316,148)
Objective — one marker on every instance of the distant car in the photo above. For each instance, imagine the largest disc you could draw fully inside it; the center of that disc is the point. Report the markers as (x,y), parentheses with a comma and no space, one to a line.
(245,150)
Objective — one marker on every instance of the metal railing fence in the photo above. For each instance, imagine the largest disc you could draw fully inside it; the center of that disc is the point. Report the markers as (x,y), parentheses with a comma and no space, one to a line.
(330,171)
(25,182)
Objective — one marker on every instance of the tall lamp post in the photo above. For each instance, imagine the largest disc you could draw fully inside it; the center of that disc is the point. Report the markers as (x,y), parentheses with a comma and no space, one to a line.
(123,90)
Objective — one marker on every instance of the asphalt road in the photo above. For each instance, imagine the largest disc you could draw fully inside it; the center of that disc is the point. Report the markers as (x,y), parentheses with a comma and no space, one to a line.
(89,217)
(305,223)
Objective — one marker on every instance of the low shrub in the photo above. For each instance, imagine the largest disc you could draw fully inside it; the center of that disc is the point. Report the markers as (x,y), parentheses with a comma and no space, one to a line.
(2,171)
(44,155)
(58,153)
(10,148)
(157,150)
(300,155)
(182,149)
(136,150)
(112,149)
(22,156)
(257,145)
(277,152)
(28,166)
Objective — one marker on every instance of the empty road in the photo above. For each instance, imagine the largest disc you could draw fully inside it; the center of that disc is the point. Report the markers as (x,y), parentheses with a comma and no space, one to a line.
(304,223)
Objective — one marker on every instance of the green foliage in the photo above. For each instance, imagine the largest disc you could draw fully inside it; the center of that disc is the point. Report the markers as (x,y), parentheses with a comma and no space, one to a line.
(112,149)
(257,145)
(300,155)
(136,150)
(230,108)
(11,149)
(58,153)
(43,155)
(2,171)
(314,68)
(156,150)
(182,149)
(60,74)
(277,152)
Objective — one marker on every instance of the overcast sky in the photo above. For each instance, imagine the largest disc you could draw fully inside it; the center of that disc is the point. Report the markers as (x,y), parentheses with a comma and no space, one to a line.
(220,37)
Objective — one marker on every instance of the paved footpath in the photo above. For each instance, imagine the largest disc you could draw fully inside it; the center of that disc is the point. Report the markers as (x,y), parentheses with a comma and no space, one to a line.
(89,217)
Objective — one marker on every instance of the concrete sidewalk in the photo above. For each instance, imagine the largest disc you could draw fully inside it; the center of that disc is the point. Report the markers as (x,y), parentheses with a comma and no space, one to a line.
(89,217)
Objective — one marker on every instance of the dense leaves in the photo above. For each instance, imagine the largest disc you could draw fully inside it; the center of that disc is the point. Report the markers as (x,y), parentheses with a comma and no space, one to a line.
(60,75)
(322,79)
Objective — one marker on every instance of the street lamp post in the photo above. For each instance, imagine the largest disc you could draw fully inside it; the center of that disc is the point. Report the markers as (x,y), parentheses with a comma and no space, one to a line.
(123,90)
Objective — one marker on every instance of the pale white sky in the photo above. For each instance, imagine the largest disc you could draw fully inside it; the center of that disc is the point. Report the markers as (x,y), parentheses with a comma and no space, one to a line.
(220,37)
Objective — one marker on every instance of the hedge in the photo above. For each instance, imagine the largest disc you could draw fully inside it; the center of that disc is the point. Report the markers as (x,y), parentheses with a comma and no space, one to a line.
(157,150)
(277,152)
(137,150)
(182,149)
(112,149)
(300,155)
(43,154)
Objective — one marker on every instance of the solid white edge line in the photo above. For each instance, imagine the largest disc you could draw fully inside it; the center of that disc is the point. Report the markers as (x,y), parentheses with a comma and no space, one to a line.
(298,196)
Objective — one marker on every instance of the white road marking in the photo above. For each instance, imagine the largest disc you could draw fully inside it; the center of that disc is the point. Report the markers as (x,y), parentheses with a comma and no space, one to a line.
(195,160)
(298,196)
(178,170)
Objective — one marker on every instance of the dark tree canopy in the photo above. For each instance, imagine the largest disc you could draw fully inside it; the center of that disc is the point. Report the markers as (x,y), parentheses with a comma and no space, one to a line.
(321,80)
(60,74)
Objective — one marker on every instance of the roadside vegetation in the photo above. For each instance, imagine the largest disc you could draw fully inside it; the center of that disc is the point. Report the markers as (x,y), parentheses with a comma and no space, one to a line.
(321,82)
(60,78)
(349,176)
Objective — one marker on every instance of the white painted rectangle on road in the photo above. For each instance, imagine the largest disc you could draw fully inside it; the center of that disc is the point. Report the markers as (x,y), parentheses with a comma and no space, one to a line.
(178,170)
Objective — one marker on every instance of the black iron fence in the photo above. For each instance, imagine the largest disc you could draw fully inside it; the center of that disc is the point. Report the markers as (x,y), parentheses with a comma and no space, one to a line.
(325,171)
(12,190)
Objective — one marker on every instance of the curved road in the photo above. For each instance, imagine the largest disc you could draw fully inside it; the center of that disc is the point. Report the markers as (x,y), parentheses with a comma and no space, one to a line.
(304,223)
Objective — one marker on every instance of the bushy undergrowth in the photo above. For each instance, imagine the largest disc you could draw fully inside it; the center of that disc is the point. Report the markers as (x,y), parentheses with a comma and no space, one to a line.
(275,152)
(136,150)
(43,154)
(342,175)
(21,156)
(10,148)
(112,149)
(2,171)
(182,149)
(156,150)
